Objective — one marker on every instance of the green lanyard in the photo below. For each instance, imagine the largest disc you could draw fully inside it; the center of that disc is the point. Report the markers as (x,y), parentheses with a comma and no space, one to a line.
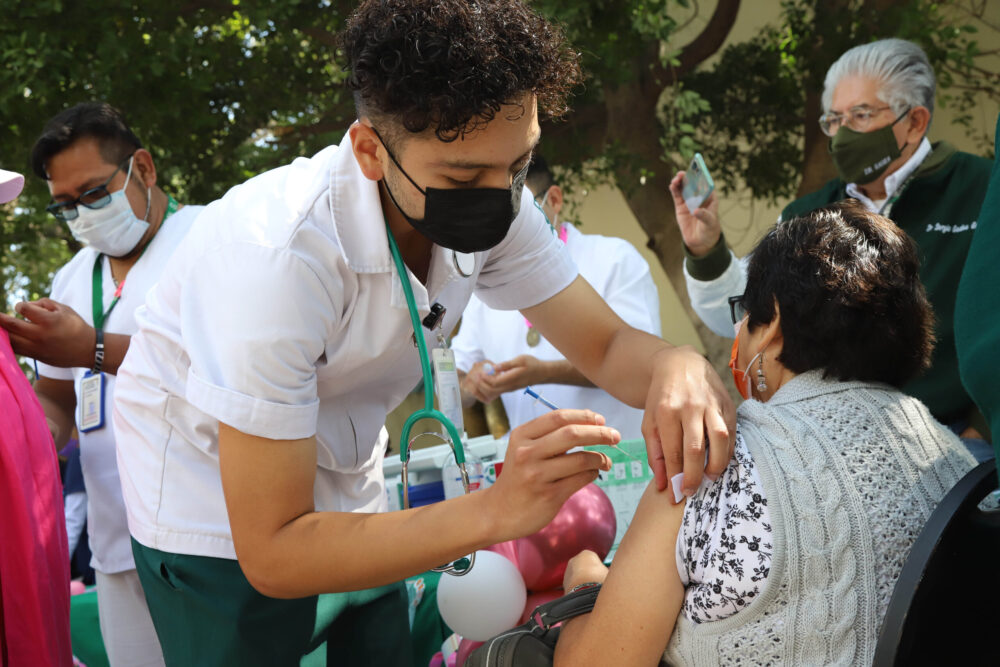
(461,566)
(428,411)
(97,299)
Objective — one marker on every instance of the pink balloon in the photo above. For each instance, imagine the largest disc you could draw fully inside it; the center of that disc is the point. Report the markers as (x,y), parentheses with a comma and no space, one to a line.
(536,599)
(437,660)
(585,521)
(465,649)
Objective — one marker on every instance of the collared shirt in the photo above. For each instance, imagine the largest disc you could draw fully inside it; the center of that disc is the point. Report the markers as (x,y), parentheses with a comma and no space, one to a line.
(621,276)
(894,180)
(109,542)
(284,318)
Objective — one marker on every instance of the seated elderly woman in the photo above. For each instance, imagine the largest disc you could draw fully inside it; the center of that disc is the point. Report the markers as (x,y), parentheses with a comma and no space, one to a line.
(790,557)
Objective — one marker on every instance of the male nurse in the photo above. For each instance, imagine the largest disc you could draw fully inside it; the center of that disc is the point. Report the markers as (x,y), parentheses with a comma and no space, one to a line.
(249,410)
(103,185)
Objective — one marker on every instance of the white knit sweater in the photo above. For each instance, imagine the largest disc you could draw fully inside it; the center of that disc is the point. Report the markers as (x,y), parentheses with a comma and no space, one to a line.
(851,471)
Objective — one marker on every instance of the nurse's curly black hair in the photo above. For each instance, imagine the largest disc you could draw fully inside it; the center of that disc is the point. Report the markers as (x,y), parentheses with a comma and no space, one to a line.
(450,65)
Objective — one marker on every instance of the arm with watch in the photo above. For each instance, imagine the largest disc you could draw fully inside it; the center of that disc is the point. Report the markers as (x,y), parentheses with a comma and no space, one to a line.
(55,334)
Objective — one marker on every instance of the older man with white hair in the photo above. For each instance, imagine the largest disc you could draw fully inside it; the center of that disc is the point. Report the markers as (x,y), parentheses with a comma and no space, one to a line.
(878,100)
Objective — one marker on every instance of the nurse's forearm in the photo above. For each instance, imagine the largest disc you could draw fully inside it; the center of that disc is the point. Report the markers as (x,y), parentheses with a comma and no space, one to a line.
(627,367)
(286,549)
(115,347)
(322,552)
(563,372)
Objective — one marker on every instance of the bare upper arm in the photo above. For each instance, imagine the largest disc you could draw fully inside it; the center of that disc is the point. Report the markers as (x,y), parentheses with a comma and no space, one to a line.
(58,400)
(267,484)
(61,393)
(642,595)
(578,322)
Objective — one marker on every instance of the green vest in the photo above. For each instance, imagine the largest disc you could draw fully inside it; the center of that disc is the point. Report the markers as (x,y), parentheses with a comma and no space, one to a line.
(939,209)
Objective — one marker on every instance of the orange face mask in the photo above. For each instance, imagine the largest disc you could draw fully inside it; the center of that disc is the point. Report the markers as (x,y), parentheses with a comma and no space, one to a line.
(740,378)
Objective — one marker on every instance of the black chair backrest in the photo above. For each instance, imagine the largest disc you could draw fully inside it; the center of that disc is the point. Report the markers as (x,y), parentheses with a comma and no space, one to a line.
(945,608)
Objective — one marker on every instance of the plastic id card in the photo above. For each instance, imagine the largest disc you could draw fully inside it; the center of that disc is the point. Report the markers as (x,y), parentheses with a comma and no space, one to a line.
(91,402)
(449,394)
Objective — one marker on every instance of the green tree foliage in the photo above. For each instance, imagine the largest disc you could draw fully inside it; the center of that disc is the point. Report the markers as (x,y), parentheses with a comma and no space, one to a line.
(222,89)
(764,94)
(217,91)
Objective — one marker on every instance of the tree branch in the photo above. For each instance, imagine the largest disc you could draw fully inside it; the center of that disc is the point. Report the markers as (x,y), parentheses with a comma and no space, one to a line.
(702,47)
(322,36)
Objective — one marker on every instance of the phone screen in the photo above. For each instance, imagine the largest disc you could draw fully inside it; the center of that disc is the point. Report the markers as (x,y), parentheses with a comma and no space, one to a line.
(698,184)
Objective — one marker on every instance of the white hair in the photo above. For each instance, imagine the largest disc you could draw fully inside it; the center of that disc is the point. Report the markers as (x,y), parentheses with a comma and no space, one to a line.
(901,68)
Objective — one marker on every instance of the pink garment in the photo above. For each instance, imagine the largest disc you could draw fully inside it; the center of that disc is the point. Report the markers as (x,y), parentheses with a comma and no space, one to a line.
(34,557)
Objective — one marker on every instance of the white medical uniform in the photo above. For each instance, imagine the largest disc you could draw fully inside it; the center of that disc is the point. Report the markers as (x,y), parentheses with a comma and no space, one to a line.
(621,276)
(107,527)
(284,318)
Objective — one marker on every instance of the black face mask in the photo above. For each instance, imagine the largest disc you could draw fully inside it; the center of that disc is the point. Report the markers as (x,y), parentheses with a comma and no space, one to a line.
(464,219)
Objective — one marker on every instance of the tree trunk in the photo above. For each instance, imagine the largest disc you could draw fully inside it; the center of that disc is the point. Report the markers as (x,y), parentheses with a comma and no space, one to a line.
(632,122)
(817,167)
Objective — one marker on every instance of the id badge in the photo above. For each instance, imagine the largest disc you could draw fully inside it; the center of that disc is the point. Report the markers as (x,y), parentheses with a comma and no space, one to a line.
(449,393)
(91,401)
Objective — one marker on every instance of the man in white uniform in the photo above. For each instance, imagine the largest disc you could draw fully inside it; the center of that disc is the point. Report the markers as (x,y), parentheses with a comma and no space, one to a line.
(103,186)
(499,352)
(249,411)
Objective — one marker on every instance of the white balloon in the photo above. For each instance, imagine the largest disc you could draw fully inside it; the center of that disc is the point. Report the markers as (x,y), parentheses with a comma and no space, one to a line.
(484,602)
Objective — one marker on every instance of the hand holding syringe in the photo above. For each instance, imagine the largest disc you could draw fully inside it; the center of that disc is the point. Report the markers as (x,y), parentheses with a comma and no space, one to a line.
(541,399)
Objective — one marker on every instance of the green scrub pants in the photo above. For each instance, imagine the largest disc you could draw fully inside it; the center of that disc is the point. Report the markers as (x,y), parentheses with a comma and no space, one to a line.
(206,613)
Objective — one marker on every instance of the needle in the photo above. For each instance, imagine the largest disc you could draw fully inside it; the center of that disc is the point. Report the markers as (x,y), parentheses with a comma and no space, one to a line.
(551,406)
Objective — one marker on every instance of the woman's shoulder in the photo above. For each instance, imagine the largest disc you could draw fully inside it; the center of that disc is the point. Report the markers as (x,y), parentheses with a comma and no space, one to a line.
(724,545)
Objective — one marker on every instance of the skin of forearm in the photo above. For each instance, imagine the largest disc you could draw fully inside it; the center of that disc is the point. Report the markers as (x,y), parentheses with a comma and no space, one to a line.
(115,347)
(563,372)
(60,422)
(58,401)
(468,400)
(323,552)
(627,367)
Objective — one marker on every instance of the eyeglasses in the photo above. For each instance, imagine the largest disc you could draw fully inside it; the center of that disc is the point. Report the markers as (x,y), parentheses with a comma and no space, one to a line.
(736,309)
(857,118)
(93,198)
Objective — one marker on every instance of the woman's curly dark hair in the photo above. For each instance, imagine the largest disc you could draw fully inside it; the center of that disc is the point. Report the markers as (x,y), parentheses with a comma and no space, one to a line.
(848,288)
(451,64)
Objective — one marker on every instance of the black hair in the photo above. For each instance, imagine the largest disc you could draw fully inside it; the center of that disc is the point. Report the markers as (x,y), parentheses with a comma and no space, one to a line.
(450,65)
(539,178)
(846,282)
(97,120)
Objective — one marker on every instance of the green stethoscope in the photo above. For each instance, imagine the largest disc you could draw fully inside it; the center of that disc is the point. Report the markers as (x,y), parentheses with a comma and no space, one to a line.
(463,565)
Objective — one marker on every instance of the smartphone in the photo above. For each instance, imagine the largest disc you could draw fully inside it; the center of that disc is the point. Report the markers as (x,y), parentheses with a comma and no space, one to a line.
(698,183)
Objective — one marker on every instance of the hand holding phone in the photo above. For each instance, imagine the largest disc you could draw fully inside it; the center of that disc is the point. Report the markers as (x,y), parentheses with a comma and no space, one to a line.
(698,183)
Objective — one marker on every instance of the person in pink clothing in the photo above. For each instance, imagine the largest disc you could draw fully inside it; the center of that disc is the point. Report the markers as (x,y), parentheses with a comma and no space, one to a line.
(34,556)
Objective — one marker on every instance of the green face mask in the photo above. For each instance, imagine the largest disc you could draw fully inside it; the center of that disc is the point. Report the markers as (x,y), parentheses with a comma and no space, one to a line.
(861,157)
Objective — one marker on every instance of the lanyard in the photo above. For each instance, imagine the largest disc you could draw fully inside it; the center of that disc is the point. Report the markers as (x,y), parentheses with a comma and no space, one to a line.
(428,411)
(97,282)
(463,565)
